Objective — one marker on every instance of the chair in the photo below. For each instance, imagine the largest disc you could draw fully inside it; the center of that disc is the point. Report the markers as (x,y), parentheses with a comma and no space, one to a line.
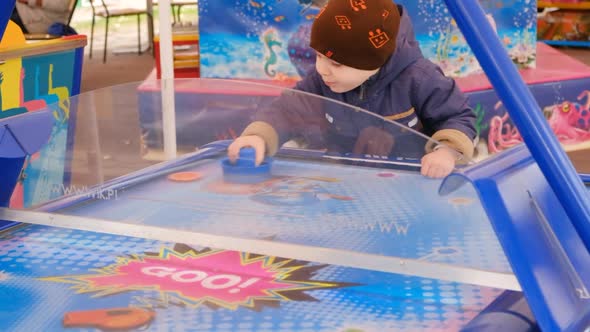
(178,4)
(72,9)
(107,10)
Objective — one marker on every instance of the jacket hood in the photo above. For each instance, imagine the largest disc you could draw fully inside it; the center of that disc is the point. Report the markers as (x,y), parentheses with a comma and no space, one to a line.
(407,52)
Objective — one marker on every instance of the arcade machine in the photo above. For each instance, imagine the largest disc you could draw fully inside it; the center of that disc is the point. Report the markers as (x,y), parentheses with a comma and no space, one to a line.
(200,243)
(34,74)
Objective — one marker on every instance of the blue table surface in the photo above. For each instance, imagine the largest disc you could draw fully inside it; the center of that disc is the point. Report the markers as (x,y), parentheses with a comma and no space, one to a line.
(372,210)
(48,273)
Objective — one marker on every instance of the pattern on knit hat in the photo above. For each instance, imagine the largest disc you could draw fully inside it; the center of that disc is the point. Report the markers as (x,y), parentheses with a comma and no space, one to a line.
(356,33)
(357,5)
(378,38)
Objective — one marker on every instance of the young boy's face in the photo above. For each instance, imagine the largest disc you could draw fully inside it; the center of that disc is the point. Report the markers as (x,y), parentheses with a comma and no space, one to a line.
(338,77)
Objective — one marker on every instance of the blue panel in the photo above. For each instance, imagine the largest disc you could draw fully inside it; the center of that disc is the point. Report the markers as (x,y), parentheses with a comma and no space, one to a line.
(9,146)
(509,312)
(546,253)
(29,131)
(20,136)
(10,169)
(6,7)
(77,79)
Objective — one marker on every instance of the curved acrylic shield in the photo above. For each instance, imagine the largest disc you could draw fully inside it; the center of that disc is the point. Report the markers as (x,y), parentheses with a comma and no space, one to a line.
(345,188)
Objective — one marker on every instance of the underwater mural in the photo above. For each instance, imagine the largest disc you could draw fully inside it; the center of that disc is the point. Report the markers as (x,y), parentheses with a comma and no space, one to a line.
(268,39)
(568,116)
(569,120)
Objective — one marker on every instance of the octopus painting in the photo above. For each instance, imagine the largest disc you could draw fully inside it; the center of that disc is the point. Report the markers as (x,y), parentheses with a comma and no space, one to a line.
(570,121)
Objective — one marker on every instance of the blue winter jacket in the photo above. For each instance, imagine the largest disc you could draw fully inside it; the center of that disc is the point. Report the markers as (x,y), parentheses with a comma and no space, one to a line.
(408,89)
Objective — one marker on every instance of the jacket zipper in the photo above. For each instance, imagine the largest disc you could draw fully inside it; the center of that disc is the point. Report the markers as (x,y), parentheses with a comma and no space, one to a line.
(362,92)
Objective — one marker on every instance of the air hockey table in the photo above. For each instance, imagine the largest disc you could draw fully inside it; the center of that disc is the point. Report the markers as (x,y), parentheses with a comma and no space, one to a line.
(330,240)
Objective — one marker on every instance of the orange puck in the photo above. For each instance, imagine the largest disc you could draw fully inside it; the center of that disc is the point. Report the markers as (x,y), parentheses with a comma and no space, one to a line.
(184,176)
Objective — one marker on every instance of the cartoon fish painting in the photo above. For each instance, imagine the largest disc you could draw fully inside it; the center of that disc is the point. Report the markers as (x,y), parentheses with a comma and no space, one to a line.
(4,275)
(312,3)
(280,18)
(256,4)
(270,40)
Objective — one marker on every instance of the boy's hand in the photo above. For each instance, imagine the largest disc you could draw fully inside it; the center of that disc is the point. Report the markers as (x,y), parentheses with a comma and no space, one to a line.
(373,141)
(439,163)
(256,142)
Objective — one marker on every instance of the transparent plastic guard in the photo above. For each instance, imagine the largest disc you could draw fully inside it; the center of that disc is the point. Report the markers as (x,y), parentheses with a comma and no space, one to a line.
(345,189)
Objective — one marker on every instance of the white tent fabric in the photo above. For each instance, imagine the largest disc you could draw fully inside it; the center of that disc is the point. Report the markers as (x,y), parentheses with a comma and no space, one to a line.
(167,79)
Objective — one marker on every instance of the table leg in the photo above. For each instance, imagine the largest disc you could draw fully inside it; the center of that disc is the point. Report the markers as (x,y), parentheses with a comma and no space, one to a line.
(150,16)
(150,19)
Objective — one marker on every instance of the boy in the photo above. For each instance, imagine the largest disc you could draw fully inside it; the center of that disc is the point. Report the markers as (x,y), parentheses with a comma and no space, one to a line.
(367,56)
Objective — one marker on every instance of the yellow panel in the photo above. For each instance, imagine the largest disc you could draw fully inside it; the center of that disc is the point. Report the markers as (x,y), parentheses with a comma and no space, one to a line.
(13,36)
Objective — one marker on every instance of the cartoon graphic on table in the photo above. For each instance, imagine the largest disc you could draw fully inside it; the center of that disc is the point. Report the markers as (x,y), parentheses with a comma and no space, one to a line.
(282,190)
(186,277)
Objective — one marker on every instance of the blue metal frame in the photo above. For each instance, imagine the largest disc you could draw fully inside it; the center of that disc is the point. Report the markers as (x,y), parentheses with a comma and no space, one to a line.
(571,43)
(525,113)
(543,224)
(545,251)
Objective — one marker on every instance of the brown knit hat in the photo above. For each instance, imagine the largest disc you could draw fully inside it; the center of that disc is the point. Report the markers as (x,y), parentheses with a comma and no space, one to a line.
(356,33)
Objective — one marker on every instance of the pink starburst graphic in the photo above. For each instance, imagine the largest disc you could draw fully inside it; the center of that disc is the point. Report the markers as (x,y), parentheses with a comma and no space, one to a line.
(220,275)
(215,277)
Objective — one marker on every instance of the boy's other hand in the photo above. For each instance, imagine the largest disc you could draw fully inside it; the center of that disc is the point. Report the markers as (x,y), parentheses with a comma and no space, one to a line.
(439,163)
(253,141)
(374,141)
